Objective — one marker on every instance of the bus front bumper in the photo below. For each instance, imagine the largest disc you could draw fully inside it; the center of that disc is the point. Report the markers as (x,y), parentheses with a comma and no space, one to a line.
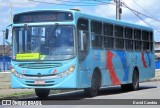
(67,82)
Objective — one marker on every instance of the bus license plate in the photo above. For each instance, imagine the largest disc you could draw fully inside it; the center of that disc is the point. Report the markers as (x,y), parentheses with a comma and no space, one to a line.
(39,82)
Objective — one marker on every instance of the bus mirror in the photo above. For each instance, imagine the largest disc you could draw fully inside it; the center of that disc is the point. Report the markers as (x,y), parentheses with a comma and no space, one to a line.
(6,34)
(7,31)
(81,40)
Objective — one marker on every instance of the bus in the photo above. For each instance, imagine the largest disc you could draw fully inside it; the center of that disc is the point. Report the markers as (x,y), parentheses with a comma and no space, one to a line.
(68,49)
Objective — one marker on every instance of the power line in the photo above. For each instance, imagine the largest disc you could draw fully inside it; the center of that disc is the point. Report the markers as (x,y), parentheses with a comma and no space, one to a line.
(144,14)
(145,11)
(141,7)
(75,3)
(137,14)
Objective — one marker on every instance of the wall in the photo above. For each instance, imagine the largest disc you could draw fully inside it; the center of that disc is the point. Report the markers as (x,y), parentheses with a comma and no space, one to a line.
(5,63)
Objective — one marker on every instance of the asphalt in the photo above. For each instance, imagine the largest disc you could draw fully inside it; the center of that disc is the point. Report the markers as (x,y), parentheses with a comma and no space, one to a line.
(9,91)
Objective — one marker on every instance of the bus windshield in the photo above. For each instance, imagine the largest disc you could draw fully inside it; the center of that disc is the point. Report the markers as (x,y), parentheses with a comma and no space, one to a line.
(54,42)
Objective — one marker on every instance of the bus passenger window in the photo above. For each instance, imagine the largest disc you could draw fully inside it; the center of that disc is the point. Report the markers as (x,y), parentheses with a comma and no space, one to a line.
(118,31)
(108,36)
(96,29)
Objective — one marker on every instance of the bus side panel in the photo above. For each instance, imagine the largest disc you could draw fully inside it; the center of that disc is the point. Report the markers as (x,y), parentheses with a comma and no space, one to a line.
(147,66)
(144,61)
(95,59)
(116,66)
(99,58)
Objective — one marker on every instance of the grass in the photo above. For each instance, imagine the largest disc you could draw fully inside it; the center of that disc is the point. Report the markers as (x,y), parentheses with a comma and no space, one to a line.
(23,94)
(16,94)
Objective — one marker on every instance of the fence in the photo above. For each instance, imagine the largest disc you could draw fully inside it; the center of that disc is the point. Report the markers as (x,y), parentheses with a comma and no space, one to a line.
(5,63)
(157,64)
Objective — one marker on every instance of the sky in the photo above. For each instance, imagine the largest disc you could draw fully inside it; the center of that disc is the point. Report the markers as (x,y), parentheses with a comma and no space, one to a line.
(149,8)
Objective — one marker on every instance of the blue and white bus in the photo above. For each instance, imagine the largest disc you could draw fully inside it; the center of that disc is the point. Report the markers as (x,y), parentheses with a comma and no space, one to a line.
(67,49)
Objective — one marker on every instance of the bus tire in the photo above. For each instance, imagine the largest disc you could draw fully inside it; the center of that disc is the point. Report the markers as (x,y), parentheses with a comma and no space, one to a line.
(42,93)
(135,82)
(95,85)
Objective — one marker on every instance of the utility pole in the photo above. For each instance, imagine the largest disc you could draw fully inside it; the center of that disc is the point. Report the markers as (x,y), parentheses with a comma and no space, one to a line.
(118,9)
(11,12)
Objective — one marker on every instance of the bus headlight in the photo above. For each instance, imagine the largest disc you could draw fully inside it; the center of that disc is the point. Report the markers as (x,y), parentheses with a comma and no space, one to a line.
(12,70)
(67,72)
(16,73)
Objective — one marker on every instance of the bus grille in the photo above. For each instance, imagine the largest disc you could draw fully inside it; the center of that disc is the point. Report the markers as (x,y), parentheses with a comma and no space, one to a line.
(39,65)
(46,75)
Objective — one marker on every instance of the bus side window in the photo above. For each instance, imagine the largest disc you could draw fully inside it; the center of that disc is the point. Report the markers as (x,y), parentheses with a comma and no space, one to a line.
(119,38)
(96,29)
(137,40)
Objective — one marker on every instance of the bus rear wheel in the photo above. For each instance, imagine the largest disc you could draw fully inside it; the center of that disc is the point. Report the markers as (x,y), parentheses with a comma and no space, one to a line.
(42,93)
(135,82)
(95,85)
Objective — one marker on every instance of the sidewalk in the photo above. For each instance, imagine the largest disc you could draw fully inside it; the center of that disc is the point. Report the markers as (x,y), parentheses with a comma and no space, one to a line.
(10,92)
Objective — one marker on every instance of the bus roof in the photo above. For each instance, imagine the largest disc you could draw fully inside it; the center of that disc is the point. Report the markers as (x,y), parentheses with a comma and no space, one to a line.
(113,21)
(93,17)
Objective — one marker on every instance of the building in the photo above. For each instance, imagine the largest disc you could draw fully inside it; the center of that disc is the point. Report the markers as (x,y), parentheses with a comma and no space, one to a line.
(157,50)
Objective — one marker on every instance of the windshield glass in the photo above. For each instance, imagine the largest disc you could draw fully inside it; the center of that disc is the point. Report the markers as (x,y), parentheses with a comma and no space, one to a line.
(54,42)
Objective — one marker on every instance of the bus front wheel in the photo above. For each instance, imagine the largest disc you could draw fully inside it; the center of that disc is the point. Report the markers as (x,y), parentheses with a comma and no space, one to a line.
(95,85)
(42,93)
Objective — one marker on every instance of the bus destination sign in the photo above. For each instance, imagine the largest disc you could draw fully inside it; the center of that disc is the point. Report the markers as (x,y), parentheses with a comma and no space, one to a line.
(43,16)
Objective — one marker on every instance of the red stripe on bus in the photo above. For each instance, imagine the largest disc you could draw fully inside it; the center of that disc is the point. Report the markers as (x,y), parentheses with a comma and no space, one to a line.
(143,60)
(109,65)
